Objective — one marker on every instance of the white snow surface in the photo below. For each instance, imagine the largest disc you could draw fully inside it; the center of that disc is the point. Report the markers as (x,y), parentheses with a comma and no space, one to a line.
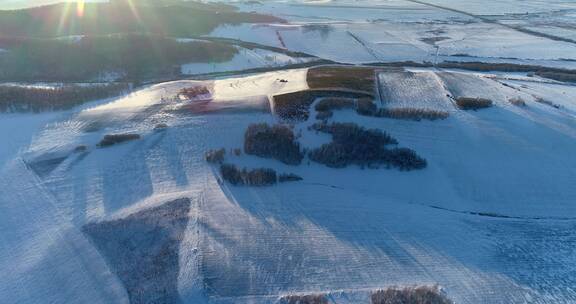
(402,30)
(245,59)
(490,220)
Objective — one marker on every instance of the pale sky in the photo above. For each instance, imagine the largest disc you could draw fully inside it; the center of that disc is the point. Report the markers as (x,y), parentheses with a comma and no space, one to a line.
(15,4)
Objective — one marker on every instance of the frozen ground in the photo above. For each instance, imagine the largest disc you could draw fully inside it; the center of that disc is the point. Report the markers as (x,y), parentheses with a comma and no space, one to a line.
(491,220)
(403,30)
(246,59)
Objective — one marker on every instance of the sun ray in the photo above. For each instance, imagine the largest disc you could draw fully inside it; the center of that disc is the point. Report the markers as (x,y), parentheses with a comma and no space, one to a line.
(80,5)
(63,18)
(134,11)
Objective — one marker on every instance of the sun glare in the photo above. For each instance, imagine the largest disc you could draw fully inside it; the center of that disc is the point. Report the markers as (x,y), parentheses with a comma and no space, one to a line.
(80,5)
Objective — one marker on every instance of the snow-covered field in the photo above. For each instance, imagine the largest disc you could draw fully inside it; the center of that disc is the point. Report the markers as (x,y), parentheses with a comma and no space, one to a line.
(419,90)
(403,30)
(246,59)
(490,220)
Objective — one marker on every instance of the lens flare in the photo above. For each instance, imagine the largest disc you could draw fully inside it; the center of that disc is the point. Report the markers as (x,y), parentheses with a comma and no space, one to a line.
(80,5)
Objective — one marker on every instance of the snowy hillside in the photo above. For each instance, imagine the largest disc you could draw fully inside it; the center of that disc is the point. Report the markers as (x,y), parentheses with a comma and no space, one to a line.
(490,220)
(341,152)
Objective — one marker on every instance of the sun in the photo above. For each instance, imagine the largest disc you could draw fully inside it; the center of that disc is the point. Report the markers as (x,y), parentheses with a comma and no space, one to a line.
(80,6)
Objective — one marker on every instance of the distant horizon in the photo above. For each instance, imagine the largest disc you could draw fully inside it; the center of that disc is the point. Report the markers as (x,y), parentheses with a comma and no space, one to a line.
(21,4)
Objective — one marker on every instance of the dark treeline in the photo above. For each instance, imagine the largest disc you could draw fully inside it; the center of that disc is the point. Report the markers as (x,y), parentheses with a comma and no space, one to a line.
(113,139)
(355,145)
(296,106)
(366,107)
(334,103)
(133,57)
(559,74)
(417,295)
(254,177)
(277,142)
(22,98)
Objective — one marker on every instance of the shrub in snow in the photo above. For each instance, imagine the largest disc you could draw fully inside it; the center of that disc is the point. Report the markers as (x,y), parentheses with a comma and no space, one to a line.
(254,177)
(559,76)
(350,133)
(334,103)
(352,144)
(215,156)
(113,139)
(409,295)
(81,148)
(517,101)
(467,103)
(322,115)
(366,107)
(546,102)
(405,159)
(194,92)
(412,114)
(259,177)
(289,178)
(277,142)
(160,126)
(304,299)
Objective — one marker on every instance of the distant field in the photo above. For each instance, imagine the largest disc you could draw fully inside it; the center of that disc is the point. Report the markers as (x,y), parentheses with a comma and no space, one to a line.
(350,78)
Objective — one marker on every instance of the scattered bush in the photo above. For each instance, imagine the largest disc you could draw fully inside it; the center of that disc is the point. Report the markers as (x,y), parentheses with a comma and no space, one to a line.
(546,102)
(289,178)
(113,139)
(352,144)
(237,151)
(418,295)
(413,114)
(304,299)
(277,142)
(334,103)
(81,148)
(254,177)
(517,101)
(467,103)
(215,156)
(161,126)
(194,92)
